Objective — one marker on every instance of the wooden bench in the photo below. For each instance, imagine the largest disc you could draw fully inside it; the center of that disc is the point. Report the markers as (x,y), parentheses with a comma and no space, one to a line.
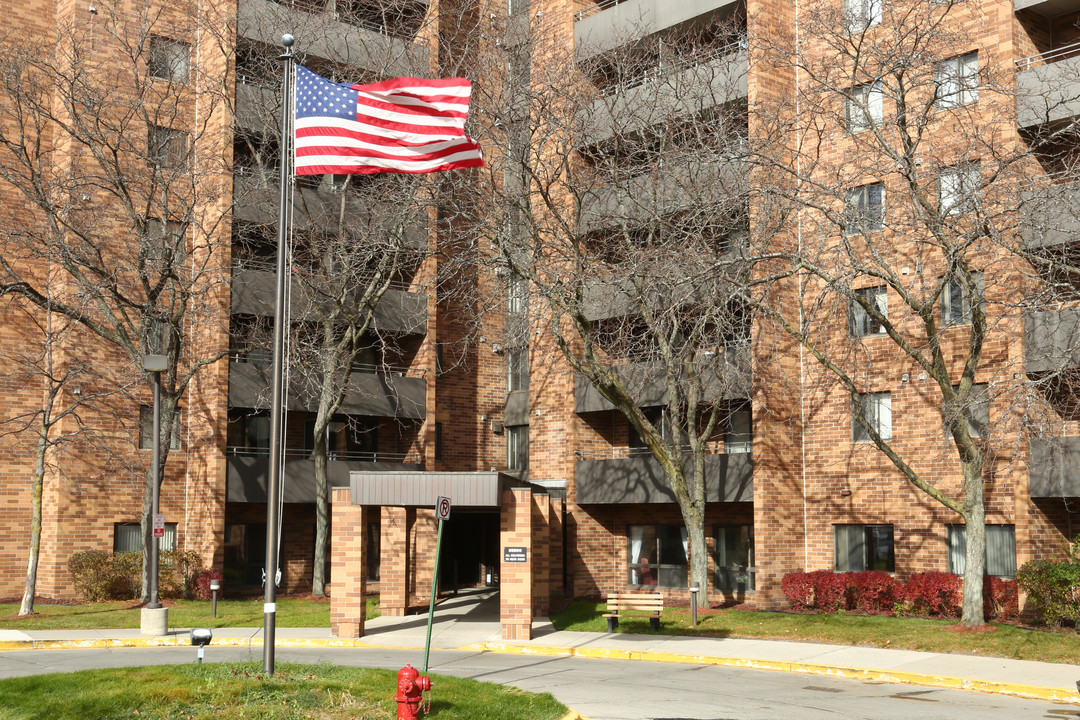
(624,604)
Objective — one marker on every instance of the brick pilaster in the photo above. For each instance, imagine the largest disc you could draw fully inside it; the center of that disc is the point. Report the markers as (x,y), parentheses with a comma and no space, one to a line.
(394,562)
(349,591)
(515,587)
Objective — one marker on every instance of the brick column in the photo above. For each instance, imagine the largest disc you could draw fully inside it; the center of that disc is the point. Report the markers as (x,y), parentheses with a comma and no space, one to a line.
(424,537)
(515,585)
(349,589)
(541,555)
(394,562)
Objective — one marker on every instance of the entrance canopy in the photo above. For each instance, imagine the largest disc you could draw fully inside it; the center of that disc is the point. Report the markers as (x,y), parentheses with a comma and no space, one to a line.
(421,489)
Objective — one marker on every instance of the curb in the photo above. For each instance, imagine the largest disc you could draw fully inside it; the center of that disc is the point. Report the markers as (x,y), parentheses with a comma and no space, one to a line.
(1033,692)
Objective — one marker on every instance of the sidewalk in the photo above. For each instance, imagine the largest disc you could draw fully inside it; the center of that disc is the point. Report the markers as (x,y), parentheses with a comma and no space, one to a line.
(470,622)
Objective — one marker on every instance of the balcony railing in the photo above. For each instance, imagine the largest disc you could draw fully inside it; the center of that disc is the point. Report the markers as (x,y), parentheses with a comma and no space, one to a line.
(305,454)
(1050,56)
(598,7)
(263,357)
(676,62)
(241,264)
(715,447)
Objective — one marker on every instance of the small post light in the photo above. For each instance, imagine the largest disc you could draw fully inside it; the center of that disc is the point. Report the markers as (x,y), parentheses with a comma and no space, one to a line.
(694,587)
(215,585)
(201,637)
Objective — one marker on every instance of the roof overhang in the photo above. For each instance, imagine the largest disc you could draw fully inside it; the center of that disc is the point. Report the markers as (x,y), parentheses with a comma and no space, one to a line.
(421,489)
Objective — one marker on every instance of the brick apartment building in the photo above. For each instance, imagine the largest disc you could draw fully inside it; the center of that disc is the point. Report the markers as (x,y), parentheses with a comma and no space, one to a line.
(536,458)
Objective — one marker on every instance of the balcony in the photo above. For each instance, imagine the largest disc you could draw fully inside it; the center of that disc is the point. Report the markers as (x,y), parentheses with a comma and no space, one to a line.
(253,288)
(1055,467)
(1052,340)
(1051,215)
(675,89)
(375,394)
(247,473)
(680,185)
(1047,8)
(1048,87)
(639,479)
(647,383)
(340,36)
(611,23)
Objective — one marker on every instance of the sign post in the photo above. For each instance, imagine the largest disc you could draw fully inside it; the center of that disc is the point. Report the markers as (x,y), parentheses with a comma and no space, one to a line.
(442,511)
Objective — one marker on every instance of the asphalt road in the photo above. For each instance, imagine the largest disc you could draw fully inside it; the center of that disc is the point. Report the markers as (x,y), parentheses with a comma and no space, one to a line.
(612,689)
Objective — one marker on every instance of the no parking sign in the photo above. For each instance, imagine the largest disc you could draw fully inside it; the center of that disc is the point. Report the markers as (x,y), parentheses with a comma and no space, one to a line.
(442,508)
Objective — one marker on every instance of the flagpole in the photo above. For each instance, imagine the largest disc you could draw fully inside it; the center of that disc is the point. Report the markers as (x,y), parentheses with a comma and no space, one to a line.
(273,482)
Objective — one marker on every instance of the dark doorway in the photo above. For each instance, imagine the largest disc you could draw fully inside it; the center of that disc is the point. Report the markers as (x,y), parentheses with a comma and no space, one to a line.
(470,550)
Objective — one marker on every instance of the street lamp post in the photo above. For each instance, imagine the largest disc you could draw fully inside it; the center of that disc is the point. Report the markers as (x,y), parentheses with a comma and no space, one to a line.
(155,618)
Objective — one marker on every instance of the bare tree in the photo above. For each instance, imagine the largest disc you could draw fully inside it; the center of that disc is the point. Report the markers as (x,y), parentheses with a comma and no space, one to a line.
(112,157)
(618,231)
(905,177)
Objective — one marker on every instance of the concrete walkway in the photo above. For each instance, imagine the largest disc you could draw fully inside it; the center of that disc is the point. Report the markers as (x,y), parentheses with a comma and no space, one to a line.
(470,622)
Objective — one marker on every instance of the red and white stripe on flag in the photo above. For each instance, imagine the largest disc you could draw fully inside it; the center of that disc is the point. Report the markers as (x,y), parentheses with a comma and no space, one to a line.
(402,125)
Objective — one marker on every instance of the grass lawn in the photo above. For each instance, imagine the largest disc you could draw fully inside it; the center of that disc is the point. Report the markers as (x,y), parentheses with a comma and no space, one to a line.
(887,632)
(291,612)
(227,691)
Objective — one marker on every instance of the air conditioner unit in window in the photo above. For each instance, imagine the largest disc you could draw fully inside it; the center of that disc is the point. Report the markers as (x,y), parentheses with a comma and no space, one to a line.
(497,427)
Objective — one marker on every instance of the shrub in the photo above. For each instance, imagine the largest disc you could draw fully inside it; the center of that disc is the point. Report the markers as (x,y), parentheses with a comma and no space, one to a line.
(830,590)
(178,570)
(1052,587)
(202,583)
(935,593)
(798,589)
(92,573)
(1000,599)
(873,591)
(127,575)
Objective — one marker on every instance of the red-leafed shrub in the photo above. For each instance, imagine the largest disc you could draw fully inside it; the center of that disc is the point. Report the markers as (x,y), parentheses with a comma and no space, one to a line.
(873,591)
(935,593)
(798,589)
(202,583)
(1000,599)
(830,590)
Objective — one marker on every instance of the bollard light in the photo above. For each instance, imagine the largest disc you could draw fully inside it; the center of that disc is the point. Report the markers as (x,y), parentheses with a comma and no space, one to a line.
(215,585)
(694,587)
(201,637)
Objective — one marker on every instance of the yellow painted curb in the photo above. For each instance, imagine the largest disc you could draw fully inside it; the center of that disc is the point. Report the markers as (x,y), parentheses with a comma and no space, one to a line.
(1034,692)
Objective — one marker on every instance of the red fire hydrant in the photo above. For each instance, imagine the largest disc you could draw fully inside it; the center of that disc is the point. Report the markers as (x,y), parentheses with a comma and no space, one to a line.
(411,686)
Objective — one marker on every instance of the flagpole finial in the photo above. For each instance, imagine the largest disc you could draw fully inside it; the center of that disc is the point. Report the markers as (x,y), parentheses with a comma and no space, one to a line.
(287,40)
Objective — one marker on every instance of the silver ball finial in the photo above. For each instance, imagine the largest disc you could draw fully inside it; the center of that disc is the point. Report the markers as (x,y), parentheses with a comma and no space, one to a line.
(287,40)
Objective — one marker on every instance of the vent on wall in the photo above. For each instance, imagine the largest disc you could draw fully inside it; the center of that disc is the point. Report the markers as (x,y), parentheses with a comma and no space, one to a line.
(497,427)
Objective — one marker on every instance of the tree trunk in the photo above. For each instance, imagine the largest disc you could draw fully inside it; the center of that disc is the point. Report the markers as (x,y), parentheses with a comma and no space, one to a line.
(975,551)
(27,606)
(322,507)
(699,559)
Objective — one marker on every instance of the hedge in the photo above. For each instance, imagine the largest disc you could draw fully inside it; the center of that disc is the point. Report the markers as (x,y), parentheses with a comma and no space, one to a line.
(876,592)
(99,575)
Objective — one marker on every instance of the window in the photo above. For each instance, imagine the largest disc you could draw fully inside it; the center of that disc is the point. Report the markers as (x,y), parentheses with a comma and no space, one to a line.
(657,555)
(877,409)
(127,537)
(1000,549)
(347,437)
(146,429)
(248,434)
(164,241)
(865,323)
(733,557)
(517,294)
(863,547)
(865,208)
(169,59)
(657,416)
(958,189)
(168,148)
(957,80)
(865,107)
(517,6)
(517,369)
(956,302)
(977,410)
(517,447)
(372,553)
(739,431)
(861,14)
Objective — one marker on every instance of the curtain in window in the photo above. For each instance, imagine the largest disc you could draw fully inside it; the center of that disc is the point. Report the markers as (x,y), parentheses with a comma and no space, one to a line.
(637,535)
(849,547)
(1000,550)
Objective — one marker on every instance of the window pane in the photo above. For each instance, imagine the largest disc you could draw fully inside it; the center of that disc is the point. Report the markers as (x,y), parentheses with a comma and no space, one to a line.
(657,555)
(739,437)
(734,557)
(1000,550)
(879,547)
(849,553)
(169,59)
(127,537)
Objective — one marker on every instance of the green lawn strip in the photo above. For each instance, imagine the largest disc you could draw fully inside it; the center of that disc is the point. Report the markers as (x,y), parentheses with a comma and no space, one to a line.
(291,612)
(231,691)
(899,633)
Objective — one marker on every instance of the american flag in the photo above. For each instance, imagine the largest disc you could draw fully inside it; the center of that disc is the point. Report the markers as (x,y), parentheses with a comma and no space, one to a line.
(403,125)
